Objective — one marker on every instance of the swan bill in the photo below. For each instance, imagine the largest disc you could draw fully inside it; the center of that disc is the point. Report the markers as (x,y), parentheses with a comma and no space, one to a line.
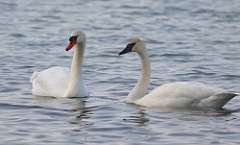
(71,43)
(127,49)
(69,46)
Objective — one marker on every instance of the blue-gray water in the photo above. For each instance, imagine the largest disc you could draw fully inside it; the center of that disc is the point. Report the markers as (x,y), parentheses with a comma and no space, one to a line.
(187,40)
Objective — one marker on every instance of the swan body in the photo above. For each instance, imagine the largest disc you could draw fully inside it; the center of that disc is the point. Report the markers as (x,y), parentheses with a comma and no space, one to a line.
(184,95)
(62,81)
(179,95)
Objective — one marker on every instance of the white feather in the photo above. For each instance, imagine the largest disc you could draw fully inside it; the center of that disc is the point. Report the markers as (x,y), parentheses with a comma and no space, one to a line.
(184,95)
(61,81)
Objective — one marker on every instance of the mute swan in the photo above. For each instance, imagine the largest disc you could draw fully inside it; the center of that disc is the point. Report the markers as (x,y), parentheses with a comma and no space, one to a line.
(60,81)
(178,95)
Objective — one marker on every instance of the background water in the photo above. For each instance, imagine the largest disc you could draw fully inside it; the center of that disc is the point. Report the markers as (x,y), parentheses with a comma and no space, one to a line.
(187,40)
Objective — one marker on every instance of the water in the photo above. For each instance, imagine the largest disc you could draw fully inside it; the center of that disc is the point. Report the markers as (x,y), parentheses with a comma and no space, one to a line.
(187,40)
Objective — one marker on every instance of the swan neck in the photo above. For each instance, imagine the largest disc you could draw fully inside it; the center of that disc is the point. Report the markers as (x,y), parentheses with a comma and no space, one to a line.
(77,58)
(140,88)
(75,80)
(144,80)
(77,61)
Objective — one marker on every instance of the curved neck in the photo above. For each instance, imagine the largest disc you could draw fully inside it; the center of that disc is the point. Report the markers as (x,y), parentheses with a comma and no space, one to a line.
(77,60)
(141,87)
(75,74)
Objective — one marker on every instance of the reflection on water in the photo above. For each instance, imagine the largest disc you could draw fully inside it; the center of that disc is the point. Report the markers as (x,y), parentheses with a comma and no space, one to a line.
(70,105)
(139,118)
(65,104)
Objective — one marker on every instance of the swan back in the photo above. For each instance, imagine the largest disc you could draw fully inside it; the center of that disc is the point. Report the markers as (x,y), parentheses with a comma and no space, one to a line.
(178,95)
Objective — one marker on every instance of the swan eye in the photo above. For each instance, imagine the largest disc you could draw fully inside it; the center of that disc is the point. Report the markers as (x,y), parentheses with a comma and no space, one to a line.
(73,38)
(130,46)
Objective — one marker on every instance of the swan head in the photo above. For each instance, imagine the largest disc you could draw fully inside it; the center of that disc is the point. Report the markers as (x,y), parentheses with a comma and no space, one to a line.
(135,44)
(75,38)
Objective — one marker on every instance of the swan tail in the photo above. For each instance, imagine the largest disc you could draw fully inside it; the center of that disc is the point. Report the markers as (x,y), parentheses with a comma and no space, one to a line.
(218,101)
(34,75)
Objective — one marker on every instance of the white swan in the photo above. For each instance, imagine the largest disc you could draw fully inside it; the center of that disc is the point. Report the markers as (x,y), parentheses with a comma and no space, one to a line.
(60,81)
(179,95)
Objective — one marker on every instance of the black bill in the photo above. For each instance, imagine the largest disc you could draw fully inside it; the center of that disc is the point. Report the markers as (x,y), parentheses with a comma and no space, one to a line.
(127,49)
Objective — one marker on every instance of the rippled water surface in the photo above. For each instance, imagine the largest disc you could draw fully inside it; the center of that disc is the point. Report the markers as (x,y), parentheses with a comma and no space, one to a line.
(188,40)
